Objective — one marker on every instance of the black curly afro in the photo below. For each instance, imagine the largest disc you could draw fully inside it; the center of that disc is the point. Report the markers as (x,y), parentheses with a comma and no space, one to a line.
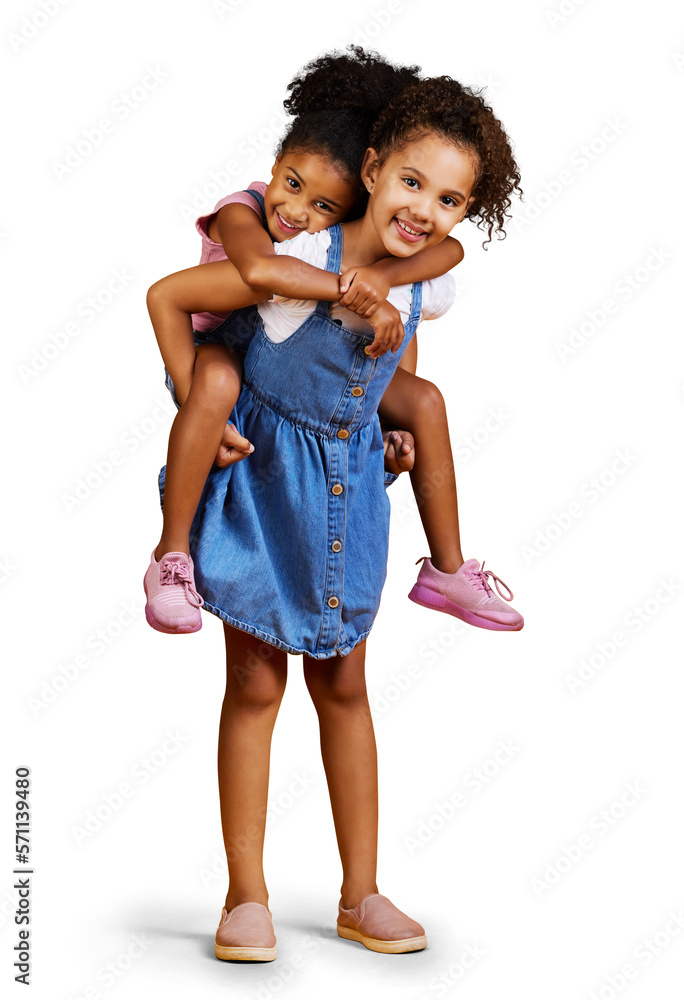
(336,100)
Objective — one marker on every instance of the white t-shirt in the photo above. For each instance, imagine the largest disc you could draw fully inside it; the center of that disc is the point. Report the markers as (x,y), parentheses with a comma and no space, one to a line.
(283,316)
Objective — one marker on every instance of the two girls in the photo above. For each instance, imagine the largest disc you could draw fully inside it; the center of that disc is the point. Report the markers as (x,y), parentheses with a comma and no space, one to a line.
(315,183)
(290,545)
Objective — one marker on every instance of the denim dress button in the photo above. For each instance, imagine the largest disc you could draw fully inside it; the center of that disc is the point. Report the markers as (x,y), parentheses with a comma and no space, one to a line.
(367,349)
(343,433)
(308,515)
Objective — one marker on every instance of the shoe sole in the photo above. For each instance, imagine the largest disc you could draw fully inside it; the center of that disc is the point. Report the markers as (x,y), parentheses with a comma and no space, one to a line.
(438,602)
(386,947)
(242,953)
(181,630)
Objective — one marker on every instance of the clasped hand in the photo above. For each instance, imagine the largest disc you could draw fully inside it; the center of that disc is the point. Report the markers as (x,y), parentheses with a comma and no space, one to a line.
(365,293)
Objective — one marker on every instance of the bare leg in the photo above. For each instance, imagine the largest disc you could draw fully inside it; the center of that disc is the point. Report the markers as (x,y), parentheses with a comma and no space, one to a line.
(194,440)
(256,674)
(338,690)
(418,406)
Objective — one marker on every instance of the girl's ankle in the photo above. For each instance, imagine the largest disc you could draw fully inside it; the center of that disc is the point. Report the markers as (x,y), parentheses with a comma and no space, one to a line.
(352,898)
(163,548)
(449,565)
(254,897)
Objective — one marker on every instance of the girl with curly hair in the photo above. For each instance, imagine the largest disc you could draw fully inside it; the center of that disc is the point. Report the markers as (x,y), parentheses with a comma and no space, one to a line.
(336,100)
(290,546)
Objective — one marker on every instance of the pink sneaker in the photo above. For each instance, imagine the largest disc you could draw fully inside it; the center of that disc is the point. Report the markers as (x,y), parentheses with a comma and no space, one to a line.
(173,604)
(466,594)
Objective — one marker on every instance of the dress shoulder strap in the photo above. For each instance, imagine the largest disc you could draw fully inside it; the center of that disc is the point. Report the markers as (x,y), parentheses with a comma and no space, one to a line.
(335,249)
(333,261)
(416,302)
(259,199)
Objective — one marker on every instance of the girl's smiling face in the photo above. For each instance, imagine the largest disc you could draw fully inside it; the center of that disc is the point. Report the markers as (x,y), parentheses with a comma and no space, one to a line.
(308,193)
(419,194)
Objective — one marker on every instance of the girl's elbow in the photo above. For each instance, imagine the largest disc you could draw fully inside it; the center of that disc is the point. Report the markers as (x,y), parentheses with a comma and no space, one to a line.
(459,252)
(256,273)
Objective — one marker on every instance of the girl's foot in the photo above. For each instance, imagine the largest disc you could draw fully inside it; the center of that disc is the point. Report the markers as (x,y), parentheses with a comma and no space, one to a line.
(467,594)
(246,933)
(380,926)
(173,604)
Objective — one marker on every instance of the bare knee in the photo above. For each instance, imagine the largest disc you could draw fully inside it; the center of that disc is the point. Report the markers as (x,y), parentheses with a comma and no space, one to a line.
(428,402)
(256,675)
(216,379)
(254,688)
(328,685)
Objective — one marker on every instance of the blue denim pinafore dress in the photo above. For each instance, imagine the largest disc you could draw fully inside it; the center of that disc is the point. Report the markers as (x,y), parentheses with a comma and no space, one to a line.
(291,543)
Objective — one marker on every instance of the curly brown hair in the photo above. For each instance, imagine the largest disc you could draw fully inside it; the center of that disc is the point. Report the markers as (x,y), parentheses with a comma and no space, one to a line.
(443,106)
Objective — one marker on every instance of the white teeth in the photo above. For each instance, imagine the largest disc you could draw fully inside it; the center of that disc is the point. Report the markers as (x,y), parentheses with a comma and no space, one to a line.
(413,232)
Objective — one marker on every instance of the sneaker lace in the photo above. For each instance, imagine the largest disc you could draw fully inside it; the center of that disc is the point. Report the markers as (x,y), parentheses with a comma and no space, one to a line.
(480,581)
(172,573)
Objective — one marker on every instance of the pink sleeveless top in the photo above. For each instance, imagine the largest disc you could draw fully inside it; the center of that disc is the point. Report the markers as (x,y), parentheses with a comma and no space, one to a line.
(206,321)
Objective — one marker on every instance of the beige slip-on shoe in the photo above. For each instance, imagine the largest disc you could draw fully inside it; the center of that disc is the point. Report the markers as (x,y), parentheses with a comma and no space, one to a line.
(246,933)
(379,925)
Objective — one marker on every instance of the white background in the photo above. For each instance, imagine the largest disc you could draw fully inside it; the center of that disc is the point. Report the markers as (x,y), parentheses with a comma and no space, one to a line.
(552,899)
